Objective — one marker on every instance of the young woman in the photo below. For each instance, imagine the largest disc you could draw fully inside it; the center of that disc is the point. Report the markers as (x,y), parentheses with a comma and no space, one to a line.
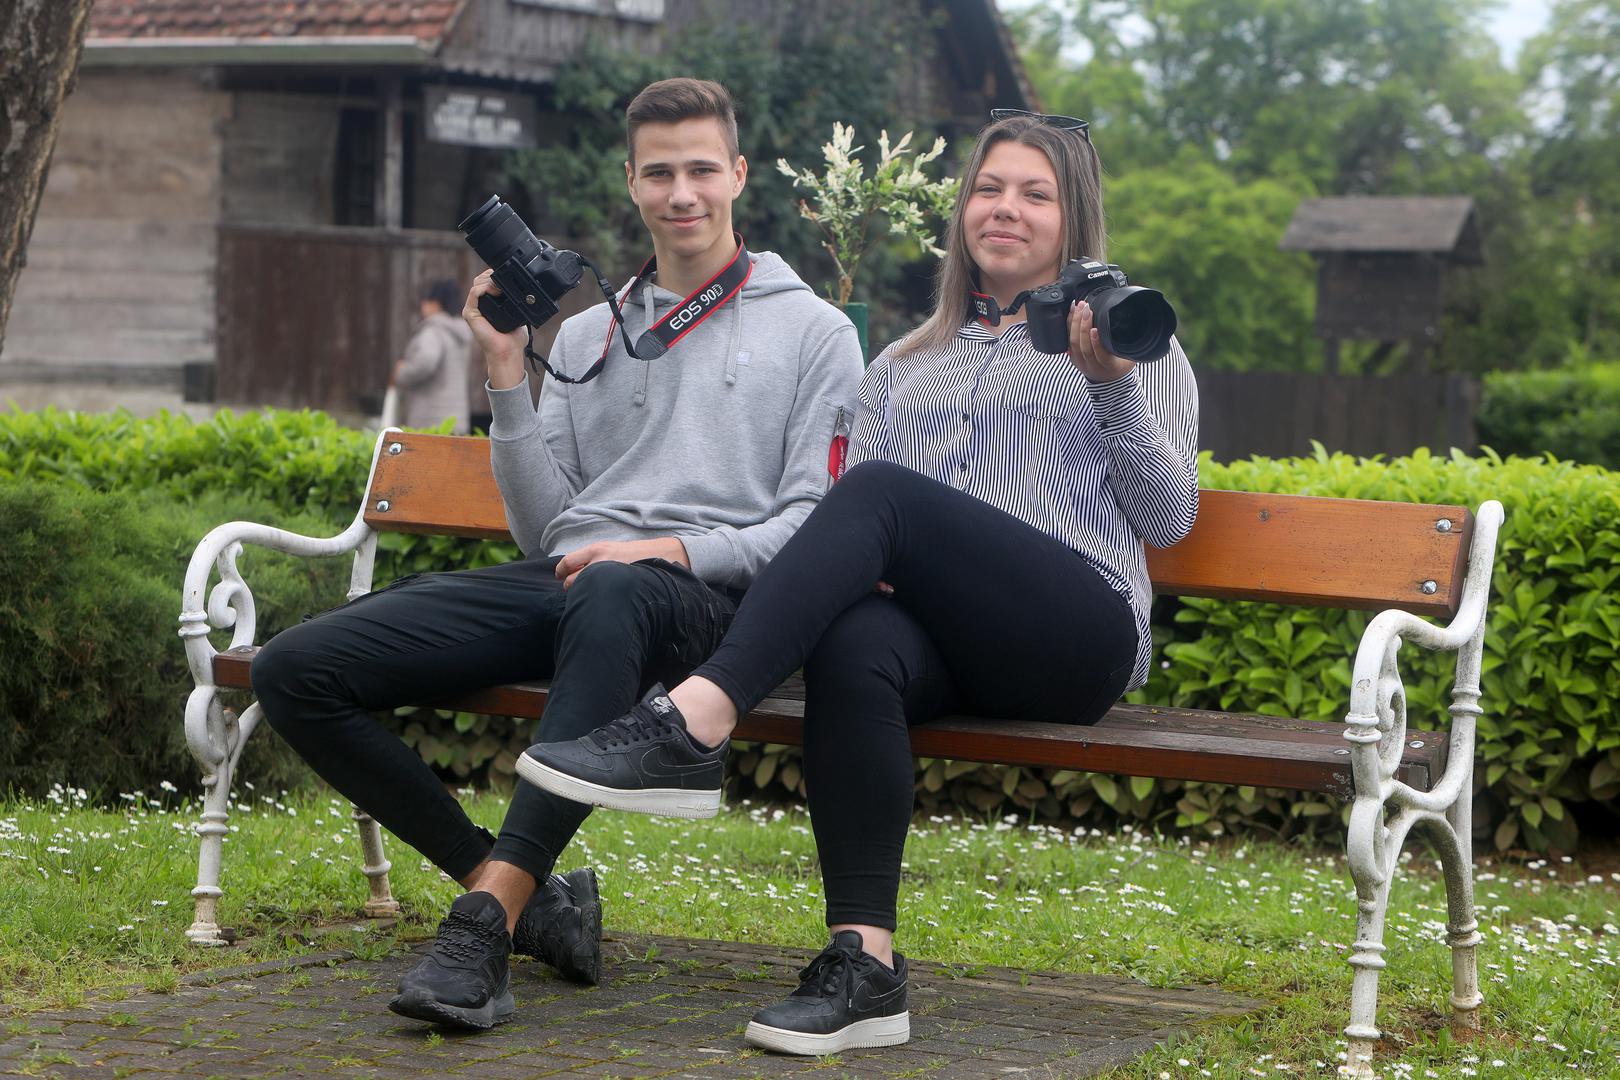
(983,554)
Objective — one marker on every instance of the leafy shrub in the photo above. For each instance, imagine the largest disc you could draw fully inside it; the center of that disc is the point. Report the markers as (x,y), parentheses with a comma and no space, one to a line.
(297,470)
(293,460)
(1571,413)
(279,462)
(94,679)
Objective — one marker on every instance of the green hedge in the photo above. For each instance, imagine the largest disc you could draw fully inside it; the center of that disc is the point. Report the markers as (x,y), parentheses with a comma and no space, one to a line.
(298,470)
(1572,413)
(1549,740)
(280,461)
(94,680)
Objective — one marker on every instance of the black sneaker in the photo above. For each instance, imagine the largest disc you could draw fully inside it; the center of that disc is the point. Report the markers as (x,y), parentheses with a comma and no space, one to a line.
(846,999)
(643,761)
(563,926)
(463,980)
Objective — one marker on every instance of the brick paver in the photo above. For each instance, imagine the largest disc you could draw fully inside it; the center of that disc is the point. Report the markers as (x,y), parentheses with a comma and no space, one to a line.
(668,1007)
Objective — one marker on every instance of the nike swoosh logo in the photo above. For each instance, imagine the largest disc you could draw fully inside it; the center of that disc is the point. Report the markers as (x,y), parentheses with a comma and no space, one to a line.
(656,762)
(866,999)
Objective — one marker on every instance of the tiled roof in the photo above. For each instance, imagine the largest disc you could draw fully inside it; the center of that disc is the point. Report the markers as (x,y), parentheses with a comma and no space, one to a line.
(426,20)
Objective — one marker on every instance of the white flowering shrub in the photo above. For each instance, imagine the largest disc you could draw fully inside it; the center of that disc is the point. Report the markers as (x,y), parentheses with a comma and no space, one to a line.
(846,200)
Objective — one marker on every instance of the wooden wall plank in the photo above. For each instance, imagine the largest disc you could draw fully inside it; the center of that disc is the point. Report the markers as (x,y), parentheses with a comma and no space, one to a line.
(127,220)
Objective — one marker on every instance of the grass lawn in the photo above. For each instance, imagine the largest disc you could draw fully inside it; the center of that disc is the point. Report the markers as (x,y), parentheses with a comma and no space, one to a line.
(92,900)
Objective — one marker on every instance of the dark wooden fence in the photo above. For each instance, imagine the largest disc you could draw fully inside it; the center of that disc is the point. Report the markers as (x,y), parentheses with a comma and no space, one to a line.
(316,317)
(1277,414)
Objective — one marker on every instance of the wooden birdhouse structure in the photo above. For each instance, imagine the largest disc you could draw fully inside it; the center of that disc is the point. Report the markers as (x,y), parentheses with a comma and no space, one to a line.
(1381,261)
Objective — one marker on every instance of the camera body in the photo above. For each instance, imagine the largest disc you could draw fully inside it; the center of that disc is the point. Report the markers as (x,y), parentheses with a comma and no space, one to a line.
(532,275)
(1134,323)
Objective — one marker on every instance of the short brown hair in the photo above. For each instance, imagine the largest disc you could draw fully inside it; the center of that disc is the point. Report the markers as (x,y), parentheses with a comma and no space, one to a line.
(669,101)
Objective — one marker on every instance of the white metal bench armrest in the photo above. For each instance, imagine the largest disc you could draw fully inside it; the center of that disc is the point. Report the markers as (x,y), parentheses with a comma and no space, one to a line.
(1376,722)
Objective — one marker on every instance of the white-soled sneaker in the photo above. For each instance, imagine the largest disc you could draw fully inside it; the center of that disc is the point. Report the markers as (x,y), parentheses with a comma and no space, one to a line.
(846,1000)
(644,761)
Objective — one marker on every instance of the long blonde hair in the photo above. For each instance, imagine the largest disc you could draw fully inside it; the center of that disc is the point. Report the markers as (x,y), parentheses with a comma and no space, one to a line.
(1079,182)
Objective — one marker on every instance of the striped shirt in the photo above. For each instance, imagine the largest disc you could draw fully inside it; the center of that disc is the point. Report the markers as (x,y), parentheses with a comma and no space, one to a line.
(1099,467)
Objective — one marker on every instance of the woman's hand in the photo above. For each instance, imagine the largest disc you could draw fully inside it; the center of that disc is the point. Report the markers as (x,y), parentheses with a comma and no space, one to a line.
(1085,348)
(503,353)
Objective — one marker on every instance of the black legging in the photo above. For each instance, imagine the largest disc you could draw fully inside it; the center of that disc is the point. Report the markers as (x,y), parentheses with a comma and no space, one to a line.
(433,636)
(989,615)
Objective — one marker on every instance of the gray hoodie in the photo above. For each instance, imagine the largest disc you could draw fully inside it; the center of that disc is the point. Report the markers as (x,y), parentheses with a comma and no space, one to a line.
(722,442)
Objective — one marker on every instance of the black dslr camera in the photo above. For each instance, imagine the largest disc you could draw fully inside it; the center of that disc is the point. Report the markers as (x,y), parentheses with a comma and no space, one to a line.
(532,275)
(1135,323)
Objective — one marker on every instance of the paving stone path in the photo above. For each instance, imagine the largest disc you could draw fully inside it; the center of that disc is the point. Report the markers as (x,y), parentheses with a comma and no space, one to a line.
(668,1007)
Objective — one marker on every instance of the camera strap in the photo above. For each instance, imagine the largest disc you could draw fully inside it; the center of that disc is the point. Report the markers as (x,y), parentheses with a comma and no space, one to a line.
(986,310)
(686,316)
(662,335)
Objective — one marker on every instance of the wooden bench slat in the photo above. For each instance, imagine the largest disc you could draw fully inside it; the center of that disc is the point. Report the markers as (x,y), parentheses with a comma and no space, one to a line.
(1288,549)
(1297,549)
(1132,740)
(441,485)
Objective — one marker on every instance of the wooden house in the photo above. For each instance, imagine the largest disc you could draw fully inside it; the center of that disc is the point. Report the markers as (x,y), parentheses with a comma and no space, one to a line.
(245,194)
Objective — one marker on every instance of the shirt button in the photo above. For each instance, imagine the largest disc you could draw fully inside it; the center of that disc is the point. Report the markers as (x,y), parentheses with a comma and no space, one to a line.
(967,416)
(964,466)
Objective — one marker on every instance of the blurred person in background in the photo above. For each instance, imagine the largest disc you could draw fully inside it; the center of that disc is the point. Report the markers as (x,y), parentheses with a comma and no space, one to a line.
(432,376)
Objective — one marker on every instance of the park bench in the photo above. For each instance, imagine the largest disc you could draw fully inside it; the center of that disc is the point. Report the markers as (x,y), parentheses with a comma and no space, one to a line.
(1404,560)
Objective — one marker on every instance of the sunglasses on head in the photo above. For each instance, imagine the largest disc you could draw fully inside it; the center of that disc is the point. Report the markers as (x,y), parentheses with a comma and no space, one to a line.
(1062,123)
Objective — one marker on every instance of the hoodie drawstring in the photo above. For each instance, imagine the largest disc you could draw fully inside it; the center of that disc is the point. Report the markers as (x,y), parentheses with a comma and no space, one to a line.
(734,346)
(647,320)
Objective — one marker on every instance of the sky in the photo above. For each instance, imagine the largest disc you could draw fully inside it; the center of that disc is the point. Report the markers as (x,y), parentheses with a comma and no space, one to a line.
(1515,22)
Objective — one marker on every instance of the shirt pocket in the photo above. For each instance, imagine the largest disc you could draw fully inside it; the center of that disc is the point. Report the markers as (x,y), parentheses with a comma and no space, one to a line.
(1038,396)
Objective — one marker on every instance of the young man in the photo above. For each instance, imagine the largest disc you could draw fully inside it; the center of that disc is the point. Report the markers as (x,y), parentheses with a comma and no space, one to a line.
(645,501)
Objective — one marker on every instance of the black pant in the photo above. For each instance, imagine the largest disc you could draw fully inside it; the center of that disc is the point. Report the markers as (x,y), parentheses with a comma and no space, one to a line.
(989,615)
(618,629)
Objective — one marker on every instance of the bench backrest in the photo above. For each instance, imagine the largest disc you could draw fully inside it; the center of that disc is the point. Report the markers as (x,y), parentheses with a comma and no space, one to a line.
(1289,549)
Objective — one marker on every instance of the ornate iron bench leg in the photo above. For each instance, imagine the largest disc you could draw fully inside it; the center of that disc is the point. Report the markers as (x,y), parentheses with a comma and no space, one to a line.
(1367,959)
(381,902)
(205,716)
(1462,928)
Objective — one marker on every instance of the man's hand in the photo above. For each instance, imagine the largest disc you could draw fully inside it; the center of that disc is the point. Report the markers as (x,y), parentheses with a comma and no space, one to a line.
(503,353)
(667,548)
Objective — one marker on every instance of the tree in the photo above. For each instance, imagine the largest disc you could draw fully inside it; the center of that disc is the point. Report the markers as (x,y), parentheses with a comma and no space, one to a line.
(1574,69)
(1208,241)
(1338,97)
(1351,96)
(40,45)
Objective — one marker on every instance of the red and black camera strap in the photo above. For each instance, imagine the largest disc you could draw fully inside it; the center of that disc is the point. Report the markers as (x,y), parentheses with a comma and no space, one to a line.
(686,316)
(663,335)
(985,309)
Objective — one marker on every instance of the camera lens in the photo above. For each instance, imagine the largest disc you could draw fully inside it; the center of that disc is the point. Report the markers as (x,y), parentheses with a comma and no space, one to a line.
(496,233)
(1134,323)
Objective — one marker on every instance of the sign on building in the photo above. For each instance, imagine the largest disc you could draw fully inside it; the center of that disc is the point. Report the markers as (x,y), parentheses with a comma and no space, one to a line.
(640,10)
(471,117)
